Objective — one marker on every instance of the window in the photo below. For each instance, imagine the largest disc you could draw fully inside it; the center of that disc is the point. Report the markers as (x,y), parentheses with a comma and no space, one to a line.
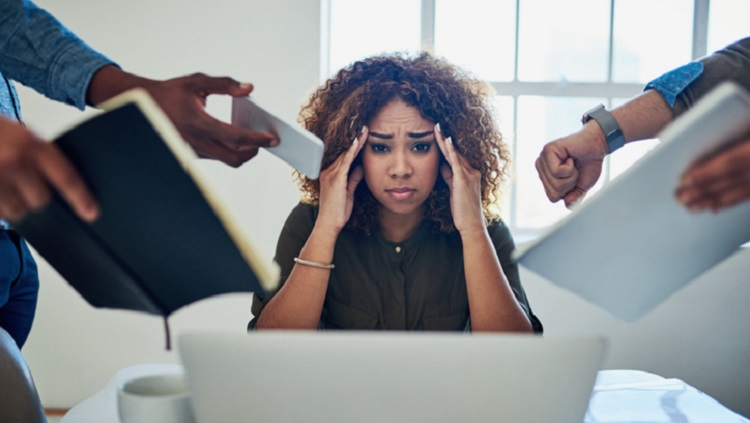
(548,61)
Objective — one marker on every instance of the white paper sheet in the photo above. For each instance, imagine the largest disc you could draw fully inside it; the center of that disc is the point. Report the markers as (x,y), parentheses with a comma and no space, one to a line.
(298,146)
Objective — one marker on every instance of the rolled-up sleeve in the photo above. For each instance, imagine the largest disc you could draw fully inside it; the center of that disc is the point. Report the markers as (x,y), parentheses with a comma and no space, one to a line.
(684,86)
(41,53)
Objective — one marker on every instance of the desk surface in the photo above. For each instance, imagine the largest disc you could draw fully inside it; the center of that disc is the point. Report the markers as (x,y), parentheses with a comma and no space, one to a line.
(619,396)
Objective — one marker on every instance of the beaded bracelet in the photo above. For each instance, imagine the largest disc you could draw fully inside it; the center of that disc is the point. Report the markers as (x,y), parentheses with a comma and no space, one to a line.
(314,264)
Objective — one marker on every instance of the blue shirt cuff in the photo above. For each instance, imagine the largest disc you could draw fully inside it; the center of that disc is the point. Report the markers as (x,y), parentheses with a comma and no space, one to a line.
(674,82)
(72,71)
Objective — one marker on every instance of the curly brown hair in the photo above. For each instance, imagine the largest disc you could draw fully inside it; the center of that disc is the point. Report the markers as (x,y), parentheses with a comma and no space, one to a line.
(442,93)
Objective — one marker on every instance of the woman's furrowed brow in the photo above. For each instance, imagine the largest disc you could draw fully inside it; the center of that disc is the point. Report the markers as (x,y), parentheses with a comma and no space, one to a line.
(381,136)
(414,135)
(419,134)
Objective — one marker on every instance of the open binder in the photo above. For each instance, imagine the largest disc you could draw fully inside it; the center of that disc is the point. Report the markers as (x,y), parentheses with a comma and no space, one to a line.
(163,240)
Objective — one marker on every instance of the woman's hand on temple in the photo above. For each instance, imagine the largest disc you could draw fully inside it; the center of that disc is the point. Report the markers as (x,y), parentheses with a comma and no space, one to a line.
(337,185)
(465,184)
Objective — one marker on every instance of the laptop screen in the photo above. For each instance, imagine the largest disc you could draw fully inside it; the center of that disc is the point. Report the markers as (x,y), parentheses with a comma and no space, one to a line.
(284,376)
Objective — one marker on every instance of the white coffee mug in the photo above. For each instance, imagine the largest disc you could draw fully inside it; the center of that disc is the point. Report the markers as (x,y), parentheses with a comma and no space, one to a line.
(160,398)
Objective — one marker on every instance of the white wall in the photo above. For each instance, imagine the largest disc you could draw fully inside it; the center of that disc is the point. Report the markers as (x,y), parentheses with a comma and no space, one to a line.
(701,335)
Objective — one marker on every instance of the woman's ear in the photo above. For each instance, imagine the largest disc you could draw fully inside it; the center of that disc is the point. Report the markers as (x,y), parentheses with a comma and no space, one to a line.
(446,173)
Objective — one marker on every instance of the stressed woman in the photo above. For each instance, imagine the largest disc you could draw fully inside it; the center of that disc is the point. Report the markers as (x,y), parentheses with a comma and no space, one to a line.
(400,231)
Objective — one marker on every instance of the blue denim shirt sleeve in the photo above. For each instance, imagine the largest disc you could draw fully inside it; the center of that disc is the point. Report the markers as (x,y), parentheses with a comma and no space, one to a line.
(9,105)
(40,52)
(674,82)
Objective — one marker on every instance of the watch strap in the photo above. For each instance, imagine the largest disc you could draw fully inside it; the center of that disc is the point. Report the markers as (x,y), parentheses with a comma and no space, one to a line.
(612,132)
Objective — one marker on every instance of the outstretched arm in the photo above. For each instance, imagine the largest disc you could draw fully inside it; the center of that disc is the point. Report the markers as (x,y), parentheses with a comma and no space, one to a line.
(183,100)
(568,167)
(38,51)
(30,167)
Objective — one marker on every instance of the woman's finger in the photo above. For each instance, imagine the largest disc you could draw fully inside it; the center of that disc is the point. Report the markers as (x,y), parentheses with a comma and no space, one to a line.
(440,140)
(452,156)
(355,148)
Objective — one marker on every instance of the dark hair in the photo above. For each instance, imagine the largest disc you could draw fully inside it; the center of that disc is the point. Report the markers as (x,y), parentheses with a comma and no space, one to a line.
(442,93)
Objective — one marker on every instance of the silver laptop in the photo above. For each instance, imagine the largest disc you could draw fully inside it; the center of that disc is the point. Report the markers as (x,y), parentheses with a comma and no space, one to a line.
(387,377)
(632,245)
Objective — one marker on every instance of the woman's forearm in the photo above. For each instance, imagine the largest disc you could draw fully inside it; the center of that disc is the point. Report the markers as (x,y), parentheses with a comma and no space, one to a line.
(492,305)
(299,302)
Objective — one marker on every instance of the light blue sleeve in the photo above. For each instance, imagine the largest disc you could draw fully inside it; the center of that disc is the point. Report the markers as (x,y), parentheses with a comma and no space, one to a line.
(40,52)
(673,83)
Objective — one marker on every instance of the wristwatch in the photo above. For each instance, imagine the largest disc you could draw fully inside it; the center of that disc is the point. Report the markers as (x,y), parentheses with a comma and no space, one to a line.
(611,129)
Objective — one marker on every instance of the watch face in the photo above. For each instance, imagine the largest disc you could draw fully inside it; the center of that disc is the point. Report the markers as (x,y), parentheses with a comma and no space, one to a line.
(587,116)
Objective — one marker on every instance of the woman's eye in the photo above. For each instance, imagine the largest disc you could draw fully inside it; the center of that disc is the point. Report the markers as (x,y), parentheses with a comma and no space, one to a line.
(378,148)
(423,148)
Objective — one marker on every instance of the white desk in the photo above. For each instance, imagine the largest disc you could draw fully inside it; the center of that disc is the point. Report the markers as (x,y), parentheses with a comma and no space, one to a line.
(619,396)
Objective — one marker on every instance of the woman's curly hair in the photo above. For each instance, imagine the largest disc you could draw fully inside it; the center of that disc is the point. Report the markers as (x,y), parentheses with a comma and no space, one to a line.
(443,93)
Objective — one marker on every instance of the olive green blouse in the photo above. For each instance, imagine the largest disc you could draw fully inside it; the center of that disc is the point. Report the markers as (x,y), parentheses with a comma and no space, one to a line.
(417,284)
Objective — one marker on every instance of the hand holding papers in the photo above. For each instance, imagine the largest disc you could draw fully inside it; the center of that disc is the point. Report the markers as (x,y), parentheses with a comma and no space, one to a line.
(632,245)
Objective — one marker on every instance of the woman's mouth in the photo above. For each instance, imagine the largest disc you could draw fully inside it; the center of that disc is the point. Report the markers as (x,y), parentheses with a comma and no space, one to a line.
(401,193)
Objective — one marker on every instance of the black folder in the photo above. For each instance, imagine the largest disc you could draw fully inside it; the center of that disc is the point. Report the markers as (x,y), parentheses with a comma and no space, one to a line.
(162,240)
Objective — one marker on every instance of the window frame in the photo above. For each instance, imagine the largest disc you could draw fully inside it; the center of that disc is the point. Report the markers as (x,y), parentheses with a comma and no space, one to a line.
(515,88)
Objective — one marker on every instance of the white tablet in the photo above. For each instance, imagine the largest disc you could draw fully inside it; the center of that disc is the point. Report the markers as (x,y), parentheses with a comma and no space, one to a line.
(632,245)
(297,146)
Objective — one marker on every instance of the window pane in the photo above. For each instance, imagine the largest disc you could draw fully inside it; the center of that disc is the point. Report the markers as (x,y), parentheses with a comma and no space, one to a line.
(644,45)
(360,28)
(478,35)
(563,40)
(628,155)
(540,120)
(727,22)
(504,109)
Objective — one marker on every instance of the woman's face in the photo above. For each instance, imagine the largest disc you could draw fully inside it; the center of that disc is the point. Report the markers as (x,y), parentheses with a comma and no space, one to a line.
(401,158)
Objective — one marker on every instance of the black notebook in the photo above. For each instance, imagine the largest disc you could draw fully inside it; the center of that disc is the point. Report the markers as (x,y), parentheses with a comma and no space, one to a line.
(162,240)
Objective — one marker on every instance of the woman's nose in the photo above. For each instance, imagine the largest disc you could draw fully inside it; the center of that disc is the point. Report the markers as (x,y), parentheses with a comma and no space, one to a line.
(399,166)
